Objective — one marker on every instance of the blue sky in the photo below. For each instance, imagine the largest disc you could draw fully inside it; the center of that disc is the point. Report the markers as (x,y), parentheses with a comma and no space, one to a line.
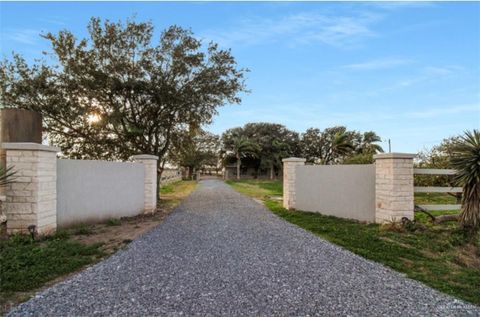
(409,71)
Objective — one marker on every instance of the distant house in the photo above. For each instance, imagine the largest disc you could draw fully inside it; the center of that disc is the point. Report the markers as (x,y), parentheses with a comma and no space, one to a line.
(249,170)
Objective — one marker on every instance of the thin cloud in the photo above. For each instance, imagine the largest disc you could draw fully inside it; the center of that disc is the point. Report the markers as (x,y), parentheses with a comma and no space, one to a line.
(396,5)
(301,28)
(27,36)
(55,21)
(437,112)
(426,74)
(378,64)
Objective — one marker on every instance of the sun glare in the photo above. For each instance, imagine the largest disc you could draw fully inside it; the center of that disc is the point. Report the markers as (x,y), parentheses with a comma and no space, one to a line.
(93,118)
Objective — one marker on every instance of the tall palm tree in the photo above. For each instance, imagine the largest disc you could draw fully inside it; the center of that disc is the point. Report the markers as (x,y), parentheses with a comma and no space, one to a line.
(466,160)
(242,147)
(273,158)
(341,146)
(368,144)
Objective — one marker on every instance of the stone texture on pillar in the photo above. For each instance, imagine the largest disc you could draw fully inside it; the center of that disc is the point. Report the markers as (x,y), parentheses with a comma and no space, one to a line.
(150,165)
(393,187)
(31,199)
(289,165)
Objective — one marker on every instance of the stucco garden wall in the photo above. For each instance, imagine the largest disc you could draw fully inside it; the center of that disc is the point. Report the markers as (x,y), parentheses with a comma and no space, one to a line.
(91,191)
(346,191)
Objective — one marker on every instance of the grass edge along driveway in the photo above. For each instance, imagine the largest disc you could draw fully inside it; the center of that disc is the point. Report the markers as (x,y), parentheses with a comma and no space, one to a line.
(440,256)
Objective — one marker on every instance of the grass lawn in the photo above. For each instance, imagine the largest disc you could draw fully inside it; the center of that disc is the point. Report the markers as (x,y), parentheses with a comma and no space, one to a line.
(26,265)
(261,189)
(434,198)
(440,256)
(171,194)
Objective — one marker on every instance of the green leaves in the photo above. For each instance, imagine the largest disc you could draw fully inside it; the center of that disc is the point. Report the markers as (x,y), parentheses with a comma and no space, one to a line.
(141,90)
(339,145)
(266,143)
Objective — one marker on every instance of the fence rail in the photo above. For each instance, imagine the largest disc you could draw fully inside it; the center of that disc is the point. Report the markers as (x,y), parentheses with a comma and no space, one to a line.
(433,189)
(434,171)
(436,189)
(440,207)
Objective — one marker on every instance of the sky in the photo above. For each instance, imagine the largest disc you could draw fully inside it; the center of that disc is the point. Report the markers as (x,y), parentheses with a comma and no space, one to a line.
(409,71)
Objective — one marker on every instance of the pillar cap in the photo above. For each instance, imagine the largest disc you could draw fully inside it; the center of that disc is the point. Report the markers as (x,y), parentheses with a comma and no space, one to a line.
(294,159)
(394,156)
(29,146)
(144,157)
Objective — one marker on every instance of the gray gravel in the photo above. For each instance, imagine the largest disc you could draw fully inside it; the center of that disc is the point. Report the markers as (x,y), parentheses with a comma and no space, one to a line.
(221,253)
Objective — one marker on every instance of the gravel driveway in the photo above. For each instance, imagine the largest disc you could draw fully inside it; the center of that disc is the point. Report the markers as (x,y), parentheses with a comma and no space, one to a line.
(221,253)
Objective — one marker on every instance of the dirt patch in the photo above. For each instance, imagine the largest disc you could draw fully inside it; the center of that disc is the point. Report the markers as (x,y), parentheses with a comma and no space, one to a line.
(468,256)
(113,237)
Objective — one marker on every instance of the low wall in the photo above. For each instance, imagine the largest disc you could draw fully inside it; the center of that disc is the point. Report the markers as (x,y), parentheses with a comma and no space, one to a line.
(170,175)
(91,191)
(49,192)
(346,191)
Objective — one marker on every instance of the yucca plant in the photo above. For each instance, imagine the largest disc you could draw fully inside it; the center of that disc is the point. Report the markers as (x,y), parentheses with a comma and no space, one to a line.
(466,160)
(6,175)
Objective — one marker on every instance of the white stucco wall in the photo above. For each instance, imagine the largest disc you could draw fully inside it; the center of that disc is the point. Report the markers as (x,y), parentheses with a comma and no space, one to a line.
(346,191)
(91,191)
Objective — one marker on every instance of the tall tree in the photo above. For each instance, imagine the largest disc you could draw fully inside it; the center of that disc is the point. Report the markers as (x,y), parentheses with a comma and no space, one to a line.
(194,149)
(365,146)
(235,143)
(328,146)
(116,93)
(275,142)
(368,143)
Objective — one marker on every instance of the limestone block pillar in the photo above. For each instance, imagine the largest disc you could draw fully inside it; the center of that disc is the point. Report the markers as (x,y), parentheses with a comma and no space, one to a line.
(393,187)
(150,165)
(289,165)
(31,199)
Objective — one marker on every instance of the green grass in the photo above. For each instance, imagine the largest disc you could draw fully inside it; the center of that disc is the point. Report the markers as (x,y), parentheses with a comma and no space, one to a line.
(434,198)
(257,188)
(171,194)
(27,264)
(440,256)
(167,188)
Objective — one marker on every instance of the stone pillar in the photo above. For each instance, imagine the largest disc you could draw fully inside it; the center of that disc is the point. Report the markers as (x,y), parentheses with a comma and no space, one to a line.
(150,165)
(393,187)
(31,199)
(289,165)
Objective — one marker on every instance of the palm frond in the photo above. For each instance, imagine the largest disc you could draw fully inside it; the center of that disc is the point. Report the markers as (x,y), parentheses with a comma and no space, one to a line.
(466,160)
(7,175)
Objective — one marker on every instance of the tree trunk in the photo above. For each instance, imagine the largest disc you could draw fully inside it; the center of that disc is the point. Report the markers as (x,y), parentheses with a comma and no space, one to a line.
(271,172)
(160,167)
(238,166)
